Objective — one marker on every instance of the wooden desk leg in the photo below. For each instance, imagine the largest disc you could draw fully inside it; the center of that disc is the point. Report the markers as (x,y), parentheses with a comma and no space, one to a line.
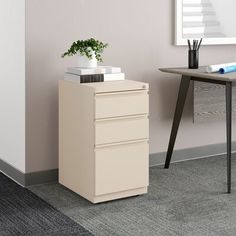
(229,131)
(183,90)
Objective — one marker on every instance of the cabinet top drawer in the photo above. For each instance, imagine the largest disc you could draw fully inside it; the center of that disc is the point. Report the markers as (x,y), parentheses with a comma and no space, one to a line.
(126,103)
(116,86)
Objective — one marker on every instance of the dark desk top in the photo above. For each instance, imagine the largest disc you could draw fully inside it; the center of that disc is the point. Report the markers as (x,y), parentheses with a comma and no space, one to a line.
(200,73)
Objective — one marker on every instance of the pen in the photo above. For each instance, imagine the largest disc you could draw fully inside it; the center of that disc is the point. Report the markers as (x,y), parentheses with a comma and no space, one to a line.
(199,44)
(189,46)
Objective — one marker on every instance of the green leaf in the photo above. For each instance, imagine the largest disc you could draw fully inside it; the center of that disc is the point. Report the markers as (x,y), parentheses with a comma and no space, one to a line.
(84,48)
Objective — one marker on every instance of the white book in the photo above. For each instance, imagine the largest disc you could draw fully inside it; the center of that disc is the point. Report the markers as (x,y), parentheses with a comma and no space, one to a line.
(106,77)
(114,76)
(97,70)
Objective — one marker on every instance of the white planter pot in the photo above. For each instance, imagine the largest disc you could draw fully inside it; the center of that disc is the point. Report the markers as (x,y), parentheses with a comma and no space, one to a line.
(85,62)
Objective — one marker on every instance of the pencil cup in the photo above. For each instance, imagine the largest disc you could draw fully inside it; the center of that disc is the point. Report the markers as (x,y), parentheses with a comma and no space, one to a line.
(193,58)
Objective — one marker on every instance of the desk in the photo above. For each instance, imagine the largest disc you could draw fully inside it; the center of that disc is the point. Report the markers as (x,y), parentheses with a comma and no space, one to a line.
(200,75)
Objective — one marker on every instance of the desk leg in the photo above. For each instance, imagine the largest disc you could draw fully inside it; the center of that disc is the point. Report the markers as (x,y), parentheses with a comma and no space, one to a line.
(183,90)
(229,131)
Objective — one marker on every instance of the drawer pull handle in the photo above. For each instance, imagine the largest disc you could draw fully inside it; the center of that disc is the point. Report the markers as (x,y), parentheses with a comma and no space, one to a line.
(120,143)
(122,92)
(123,117)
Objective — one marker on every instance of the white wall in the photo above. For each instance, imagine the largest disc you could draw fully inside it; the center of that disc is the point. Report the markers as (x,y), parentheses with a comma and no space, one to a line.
(141,35)
(225,13)
(12,83)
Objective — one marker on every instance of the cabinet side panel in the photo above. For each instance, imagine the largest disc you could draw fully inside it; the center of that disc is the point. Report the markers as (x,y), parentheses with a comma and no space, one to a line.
(76,138)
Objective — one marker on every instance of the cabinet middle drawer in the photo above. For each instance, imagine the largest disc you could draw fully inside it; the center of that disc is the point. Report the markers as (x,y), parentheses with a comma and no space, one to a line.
(121,129)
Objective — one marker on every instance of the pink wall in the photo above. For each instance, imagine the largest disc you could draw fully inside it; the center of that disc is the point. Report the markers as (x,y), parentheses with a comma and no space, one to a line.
(140,34)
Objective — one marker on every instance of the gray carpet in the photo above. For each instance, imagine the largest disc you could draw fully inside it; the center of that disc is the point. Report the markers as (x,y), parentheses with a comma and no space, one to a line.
(189,199)
(23,213)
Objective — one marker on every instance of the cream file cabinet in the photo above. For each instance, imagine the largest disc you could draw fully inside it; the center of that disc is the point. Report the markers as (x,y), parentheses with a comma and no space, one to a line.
(103,138)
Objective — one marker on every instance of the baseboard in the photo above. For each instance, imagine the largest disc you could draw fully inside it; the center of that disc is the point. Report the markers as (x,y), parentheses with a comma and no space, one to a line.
(27,179)
(12,172)
(191,153)
(155,159)
(41,177)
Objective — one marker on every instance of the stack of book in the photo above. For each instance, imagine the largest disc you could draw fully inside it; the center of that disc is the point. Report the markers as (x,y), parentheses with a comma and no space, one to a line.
(90,75)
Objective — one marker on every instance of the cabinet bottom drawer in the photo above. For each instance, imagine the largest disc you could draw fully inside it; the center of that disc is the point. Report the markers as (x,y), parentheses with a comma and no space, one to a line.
(121,167)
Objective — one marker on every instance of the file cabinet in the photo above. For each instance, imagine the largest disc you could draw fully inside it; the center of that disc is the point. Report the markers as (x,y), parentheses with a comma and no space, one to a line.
(103,139)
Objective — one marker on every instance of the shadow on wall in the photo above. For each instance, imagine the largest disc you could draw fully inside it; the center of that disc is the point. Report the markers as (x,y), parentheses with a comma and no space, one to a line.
(168,93)
(42,109)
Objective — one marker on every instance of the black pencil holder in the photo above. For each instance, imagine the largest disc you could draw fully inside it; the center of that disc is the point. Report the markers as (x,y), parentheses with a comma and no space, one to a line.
(193,59)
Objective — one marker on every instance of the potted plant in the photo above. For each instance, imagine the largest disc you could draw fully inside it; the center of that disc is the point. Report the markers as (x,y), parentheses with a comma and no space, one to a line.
(89,52)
